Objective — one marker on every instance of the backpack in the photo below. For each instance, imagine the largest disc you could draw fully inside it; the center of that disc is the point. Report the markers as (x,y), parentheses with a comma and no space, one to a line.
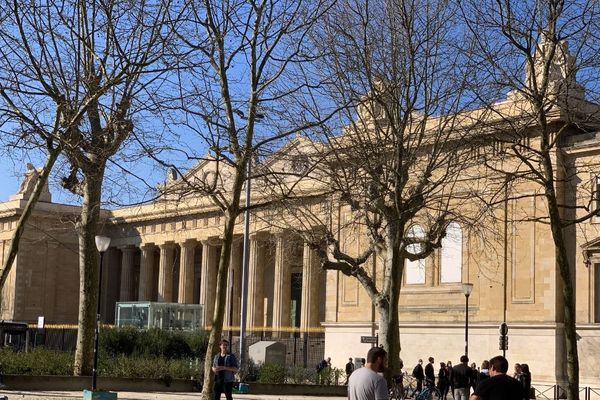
(414,373)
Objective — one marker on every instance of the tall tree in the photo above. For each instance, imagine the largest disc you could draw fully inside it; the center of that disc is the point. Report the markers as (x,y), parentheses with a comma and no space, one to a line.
(245,63)
(390,165)
(534,51)
(78,73)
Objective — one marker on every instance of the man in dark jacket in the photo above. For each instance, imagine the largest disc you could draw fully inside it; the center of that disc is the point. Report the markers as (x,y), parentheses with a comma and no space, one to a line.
(224,366)
(499,386)
(430,373)
(419,375)
(349,369)
(461,376)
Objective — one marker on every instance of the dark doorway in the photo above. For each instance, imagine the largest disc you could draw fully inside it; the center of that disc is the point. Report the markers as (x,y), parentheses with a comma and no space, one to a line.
(296,299)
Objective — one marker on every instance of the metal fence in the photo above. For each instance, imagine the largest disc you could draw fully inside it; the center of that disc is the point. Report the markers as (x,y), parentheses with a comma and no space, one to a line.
(557,392)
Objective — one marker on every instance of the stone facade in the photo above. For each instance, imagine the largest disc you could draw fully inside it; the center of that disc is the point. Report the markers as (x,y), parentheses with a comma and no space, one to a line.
(169,251)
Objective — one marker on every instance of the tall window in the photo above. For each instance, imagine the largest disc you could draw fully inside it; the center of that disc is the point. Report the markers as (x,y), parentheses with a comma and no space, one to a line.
(415,270)
(596,194)
(451,260)
(597,293)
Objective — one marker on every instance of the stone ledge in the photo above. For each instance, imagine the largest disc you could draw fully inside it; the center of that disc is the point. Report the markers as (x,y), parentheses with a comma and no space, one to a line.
(76,383)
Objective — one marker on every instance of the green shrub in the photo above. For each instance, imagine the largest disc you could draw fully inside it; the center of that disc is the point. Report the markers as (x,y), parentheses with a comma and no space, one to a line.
(115,341)
(152,343)
(39,361)
(156,368)
(301,375)
(271,373)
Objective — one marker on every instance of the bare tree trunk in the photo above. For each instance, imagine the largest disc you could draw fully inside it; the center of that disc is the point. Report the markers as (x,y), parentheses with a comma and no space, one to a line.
(31,202)
(388,306)
(568,298)
(87,228)
(221,293)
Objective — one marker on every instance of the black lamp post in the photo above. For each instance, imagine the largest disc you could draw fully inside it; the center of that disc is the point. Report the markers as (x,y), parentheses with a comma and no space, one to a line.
(467,289)
(102,243)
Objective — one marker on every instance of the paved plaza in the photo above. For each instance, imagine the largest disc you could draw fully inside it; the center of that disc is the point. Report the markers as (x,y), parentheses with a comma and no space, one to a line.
(58,395)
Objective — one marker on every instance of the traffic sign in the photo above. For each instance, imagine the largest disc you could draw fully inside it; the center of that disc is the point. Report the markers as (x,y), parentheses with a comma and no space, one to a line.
(368,339)
(503,329)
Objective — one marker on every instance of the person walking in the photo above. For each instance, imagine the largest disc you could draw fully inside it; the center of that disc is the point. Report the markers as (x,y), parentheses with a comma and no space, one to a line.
(419,375)
(461,375)
(499,386)
(450,376)
(367,383)
(484,373)
(224,366)
(525,380)
(430,373)
(443,380)
(349,369)
(474,375)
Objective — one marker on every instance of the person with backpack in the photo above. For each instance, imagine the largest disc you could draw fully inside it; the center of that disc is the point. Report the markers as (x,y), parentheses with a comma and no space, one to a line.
(419,375)
(323,370)
(461,375)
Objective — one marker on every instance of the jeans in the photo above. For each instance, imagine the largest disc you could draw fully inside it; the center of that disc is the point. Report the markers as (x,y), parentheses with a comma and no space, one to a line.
(223,387)
(461,393)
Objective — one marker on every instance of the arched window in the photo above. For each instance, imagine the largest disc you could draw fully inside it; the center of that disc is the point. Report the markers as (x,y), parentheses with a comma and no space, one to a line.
(415,270)
(451,270)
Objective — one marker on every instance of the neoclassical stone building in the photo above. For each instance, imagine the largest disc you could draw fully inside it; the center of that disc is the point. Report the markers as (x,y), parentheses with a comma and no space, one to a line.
(168,251)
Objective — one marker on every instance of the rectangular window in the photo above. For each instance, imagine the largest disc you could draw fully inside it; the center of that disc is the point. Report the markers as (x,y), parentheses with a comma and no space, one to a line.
(597,293)
(415,272)
(595,194)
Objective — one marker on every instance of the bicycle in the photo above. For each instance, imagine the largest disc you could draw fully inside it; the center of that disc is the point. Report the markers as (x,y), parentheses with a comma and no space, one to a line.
(429,392)
(410,387)
(397,388)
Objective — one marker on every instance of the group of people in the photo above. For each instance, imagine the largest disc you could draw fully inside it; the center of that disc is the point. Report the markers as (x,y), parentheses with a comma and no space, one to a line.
(489,383)
(462,378)
(368,383)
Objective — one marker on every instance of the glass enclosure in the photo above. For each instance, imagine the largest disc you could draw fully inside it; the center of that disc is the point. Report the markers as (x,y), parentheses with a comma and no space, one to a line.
(146,314)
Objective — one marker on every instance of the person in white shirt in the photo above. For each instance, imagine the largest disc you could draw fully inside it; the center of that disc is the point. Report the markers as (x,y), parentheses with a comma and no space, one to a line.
(366,383)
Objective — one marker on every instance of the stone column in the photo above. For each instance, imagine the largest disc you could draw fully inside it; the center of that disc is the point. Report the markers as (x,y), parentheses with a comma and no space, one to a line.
(111,287)
(146,272)
(165,272)
(127,270)
(208,280)
(282,286)
(186,272)
(309,313)
(255,284)
(234,278)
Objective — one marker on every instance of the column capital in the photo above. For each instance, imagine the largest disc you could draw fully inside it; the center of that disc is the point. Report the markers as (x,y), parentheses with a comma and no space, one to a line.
(188,243)
(211,241)
(166,245)
(281,233)
(260,236)
(147,245)
(128,247)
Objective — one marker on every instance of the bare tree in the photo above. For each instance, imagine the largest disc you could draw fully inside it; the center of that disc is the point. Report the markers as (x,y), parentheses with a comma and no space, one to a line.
(535,50)
(391,165)
(245,61)
(76,74)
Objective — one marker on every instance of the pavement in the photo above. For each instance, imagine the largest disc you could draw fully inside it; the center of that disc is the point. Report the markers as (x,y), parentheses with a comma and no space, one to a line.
(57,395)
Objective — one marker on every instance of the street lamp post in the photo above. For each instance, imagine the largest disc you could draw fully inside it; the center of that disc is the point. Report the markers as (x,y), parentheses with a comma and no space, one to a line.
(467,289)
(102,243)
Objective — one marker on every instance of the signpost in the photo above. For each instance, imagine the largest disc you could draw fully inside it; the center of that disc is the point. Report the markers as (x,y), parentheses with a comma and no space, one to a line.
(370,339)
(503,342)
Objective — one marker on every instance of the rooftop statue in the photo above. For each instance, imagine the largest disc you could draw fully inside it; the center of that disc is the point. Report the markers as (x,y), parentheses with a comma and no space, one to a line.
(30,178)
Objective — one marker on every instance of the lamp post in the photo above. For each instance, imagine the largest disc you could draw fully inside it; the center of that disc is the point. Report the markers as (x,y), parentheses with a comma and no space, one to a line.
(102,243)
(467,289)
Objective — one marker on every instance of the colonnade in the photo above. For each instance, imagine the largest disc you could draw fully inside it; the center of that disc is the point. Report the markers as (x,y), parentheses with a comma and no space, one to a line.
(186,273)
